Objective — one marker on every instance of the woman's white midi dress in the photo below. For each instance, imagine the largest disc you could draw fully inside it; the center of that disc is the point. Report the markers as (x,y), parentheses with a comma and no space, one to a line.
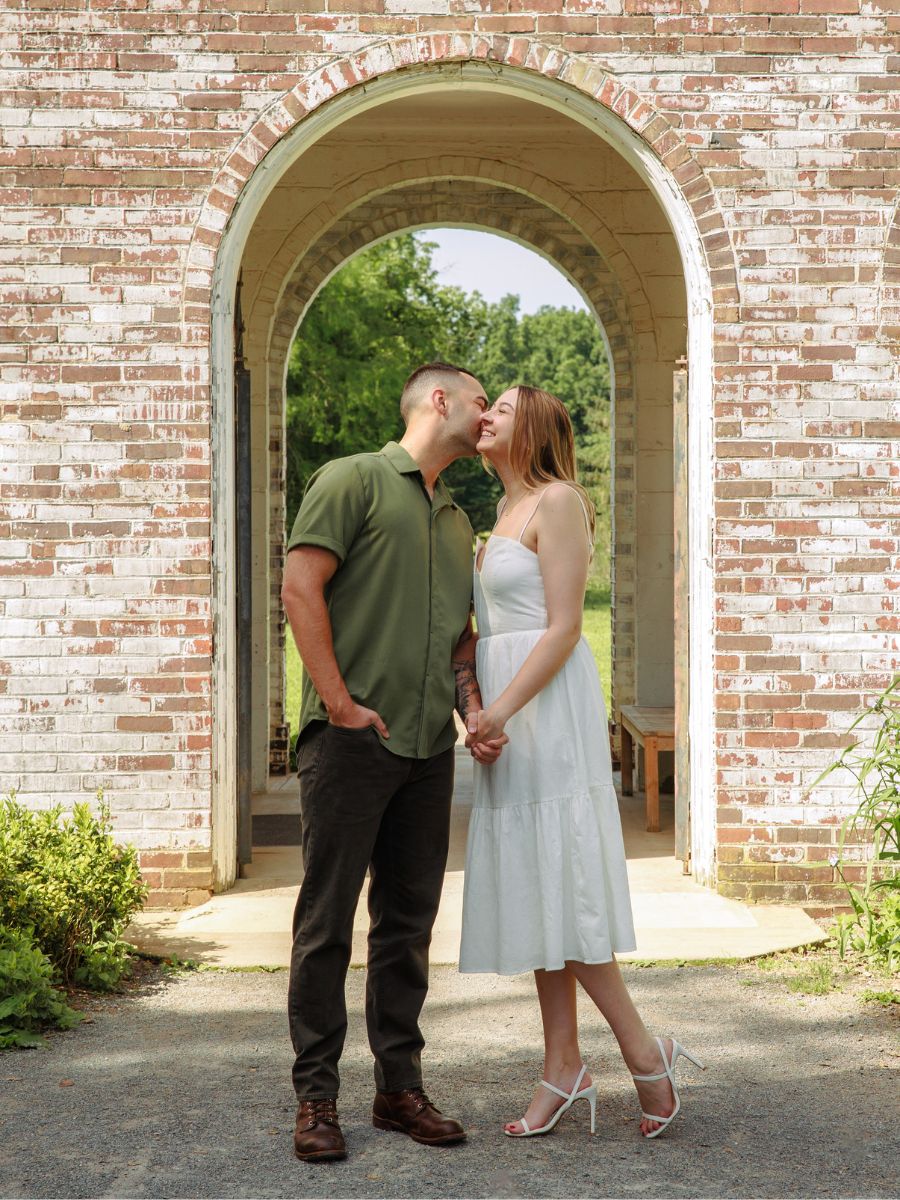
(545,864)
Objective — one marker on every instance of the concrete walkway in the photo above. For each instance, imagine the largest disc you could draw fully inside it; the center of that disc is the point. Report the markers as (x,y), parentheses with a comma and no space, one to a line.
(675,917)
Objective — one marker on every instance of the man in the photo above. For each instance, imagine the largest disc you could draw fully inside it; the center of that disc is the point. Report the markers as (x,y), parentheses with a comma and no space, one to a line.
(377,589)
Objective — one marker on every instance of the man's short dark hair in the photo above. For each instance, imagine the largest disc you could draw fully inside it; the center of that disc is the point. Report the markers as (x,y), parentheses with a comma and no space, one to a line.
(424,378)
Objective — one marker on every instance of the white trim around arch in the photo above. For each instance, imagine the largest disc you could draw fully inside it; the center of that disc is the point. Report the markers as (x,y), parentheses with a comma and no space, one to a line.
(472,75)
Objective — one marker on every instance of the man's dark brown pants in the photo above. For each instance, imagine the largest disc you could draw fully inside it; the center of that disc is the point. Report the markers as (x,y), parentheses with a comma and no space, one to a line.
(363,807)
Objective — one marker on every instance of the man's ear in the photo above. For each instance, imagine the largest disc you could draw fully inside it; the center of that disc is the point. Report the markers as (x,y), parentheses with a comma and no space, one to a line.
(439,400)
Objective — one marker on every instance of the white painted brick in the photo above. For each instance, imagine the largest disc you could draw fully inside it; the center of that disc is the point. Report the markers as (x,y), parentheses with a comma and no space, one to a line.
(803,113)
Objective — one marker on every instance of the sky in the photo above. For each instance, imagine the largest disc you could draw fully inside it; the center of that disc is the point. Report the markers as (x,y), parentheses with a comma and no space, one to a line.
(495,266)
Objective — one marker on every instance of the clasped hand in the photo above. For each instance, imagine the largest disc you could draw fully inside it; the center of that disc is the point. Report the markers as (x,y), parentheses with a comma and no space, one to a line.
(484,736)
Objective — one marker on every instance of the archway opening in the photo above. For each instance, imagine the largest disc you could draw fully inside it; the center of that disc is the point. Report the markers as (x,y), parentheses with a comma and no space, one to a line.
(390,308)
(523,166)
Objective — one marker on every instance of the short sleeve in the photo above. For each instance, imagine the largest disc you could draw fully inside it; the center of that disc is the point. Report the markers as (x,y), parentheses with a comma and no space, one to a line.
(333,509)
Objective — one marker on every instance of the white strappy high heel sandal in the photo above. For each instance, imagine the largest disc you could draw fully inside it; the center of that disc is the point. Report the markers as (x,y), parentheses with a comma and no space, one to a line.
(588,1093)
(677,1052)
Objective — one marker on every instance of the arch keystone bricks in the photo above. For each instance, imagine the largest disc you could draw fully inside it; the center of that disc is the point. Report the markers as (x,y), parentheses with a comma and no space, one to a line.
(392,55)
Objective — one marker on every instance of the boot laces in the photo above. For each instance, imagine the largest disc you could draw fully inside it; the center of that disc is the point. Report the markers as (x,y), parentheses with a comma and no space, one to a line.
(421,1099)
(323,1109)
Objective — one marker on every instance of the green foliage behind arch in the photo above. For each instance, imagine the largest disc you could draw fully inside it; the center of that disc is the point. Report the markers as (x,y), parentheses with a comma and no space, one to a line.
(383,314)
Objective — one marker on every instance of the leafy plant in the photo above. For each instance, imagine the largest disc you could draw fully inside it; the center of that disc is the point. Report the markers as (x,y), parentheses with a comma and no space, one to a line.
(873,927)
(28,999)
(71,887)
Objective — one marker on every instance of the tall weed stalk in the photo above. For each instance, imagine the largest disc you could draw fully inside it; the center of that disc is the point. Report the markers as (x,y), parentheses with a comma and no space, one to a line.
(873,927)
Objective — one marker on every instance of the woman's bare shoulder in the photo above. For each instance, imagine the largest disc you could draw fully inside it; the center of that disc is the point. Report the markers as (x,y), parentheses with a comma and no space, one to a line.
(561,501)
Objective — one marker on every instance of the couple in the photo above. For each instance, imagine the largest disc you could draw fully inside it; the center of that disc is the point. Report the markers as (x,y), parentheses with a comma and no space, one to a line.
(378,591)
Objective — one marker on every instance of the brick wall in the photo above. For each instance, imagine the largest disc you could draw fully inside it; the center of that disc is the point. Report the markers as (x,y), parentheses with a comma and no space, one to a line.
(117,118)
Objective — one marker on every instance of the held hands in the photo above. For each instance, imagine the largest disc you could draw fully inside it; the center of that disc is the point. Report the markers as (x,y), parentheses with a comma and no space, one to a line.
(357,716)
(484,735)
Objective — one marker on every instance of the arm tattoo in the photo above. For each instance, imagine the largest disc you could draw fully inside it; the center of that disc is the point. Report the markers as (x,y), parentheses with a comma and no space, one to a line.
(467,689)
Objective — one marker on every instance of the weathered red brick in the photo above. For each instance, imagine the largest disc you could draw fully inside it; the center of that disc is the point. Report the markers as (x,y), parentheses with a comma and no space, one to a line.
(795,208)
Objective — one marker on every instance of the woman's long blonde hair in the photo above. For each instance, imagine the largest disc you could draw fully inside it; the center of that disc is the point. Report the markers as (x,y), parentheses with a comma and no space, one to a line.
(543,444)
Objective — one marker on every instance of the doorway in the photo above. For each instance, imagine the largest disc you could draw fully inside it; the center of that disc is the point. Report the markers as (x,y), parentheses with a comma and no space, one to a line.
(535,160)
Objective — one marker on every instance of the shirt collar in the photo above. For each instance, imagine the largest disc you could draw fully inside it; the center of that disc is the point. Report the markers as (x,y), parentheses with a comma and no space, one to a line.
(399,458)
(404,463)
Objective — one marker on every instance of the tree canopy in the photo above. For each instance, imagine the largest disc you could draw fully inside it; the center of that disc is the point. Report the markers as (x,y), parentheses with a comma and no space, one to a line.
(383,314)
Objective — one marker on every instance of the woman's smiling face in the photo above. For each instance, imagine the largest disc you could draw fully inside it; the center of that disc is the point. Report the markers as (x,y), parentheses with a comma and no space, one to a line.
(497,427)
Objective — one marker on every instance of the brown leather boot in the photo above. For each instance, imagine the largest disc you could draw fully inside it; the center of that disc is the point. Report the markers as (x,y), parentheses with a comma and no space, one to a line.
(411,1112)
(317,1134)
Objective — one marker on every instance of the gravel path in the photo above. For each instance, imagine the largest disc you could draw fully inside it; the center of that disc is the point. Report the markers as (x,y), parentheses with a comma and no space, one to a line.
(181,1089)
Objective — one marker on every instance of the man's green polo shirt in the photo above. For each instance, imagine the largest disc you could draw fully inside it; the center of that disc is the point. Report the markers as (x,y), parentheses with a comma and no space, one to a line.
(400,598)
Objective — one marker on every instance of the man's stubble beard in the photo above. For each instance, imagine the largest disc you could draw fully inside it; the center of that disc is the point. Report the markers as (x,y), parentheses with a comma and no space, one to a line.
(461,447)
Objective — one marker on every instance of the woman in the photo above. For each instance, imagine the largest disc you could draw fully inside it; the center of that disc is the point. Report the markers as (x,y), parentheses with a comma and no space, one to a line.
(546,887)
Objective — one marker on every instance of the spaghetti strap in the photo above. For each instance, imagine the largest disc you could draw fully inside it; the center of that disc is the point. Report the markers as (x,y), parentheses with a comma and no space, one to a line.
(501,508)
(584,512)
(481,550)
(531,514)
(587,520)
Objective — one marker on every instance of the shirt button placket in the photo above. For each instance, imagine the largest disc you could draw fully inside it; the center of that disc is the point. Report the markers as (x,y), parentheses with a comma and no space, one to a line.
(423,747)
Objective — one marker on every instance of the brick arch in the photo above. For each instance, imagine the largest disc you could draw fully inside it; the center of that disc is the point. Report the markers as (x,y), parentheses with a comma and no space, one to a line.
(528,55)
(429,202)
(586,224)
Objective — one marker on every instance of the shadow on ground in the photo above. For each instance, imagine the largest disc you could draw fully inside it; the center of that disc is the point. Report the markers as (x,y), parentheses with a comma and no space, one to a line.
(183,1090)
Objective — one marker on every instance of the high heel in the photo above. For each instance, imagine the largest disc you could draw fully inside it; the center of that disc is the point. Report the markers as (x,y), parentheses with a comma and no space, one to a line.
(678,1051)
(588,1093)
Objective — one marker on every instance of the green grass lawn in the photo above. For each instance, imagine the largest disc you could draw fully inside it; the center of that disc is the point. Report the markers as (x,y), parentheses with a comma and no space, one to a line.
(597,630)
(294,684)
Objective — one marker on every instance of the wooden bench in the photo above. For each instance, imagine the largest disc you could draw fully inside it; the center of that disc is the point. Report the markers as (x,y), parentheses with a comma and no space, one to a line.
(654,729)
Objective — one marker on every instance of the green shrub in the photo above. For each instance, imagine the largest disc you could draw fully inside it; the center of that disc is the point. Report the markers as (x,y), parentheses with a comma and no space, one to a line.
(28,999)
(66,882)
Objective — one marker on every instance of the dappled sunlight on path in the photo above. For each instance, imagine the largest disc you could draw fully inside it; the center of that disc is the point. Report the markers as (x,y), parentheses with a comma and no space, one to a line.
(184,1090)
